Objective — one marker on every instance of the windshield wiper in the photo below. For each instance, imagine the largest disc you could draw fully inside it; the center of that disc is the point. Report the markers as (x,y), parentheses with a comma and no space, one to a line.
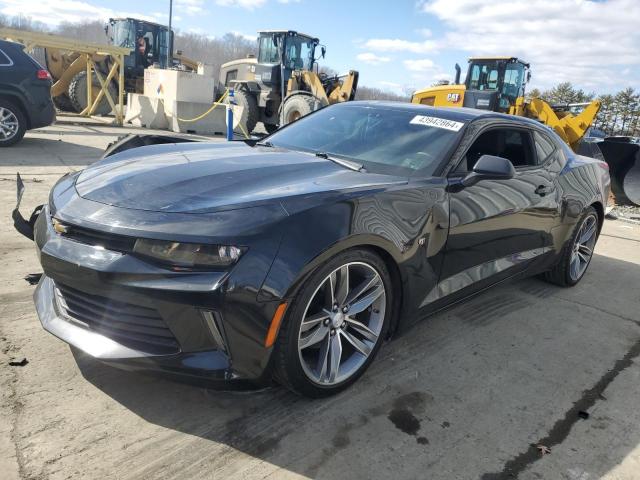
(358,167)
(265,144)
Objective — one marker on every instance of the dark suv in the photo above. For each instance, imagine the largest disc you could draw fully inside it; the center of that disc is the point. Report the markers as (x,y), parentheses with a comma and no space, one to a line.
(25,98)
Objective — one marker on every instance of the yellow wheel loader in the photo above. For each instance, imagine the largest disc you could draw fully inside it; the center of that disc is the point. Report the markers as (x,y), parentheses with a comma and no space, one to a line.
(148,43)
(280,85)
(498,84)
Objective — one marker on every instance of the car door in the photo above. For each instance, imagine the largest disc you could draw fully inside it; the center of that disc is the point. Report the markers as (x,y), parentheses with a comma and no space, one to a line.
(497,228)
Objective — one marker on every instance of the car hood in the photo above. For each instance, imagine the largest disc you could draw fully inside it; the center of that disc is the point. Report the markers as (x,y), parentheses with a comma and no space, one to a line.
(207,177)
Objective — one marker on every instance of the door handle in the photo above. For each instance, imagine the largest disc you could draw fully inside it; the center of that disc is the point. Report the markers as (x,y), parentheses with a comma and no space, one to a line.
(542,190)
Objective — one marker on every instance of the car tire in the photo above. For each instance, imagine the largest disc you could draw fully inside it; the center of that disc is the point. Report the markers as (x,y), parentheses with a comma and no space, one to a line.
(297,106)
(322,349)
(577,252)
(13,123)
(250,114)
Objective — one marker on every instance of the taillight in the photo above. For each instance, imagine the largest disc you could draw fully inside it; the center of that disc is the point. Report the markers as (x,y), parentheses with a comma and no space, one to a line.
(43,75)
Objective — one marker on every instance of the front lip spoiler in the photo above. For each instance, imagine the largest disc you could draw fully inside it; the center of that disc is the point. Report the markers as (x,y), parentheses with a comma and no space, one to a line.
(20,224)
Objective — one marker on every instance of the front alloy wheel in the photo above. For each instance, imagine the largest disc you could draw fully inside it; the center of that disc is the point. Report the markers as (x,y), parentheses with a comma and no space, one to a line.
(335,325)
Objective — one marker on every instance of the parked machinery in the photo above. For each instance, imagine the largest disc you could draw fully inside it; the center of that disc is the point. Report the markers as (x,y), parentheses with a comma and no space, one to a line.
(498,84)
(148,42)
(280,85)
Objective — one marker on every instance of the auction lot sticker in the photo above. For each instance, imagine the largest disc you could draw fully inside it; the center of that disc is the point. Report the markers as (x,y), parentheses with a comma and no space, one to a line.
(436,122)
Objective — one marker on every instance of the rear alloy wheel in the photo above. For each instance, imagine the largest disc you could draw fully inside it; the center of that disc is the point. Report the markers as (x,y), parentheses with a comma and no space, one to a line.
(336,325)
(12,124)
(577,252)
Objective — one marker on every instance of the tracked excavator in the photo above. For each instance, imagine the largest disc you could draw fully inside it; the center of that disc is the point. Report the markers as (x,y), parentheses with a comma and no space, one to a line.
(498,84)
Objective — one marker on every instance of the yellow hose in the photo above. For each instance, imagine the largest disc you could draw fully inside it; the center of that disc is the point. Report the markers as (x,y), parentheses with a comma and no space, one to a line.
(215,104)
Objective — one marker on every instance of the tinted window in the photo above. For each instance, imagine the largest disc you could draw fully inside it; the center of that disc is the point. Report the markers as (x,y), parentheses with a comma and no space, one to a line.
(544,147)
(5,61)
(399,139)
(512,144)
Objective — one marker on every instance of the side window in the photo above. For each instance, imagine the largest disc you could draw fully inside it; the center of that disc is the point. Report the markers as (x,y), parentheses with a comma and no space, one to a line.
(544,147)
(513,144)
(5,61)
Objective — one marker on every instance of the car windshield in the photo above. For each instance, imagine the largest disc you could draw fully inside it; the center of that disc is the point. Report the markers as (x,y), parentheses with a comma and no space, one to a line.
(383,139)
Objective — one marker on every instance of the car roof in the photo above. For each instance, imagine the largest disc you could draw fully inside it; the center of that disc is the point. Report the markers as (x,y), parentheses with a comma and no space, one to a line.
(460,114)
(9,45)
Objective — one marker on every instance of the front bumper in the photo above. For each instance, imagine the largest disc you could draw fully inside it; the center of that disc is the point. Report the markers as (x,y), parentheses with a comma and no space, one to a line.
(135,315)
(212,364)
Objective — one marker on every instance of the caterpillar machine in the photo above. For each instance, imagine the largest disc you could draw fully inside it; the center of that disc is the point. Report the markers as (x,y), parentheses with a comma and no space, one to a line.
(498,84)
(148,43)
(280,85)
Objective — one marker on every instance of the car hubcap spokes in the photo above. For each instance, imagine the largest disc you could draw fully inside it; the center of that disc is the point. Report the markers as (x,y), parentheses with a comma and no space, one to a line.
(583,247)
(8,124)
(342,323)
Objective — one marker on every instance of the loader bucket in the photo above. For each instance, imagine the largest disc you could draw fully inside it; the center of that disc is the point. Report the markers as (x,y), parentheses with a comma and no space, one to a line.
(623,158)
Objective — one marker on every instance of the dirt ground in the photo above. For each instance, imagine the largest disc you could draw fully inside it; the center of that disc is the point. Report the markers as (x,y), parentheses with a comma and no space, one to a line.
(469,394)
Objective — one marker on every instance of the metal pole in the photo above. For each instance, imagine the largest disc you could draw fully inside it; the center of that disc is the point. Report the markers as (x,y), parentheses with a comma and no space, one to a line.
(231,102)
(169,41)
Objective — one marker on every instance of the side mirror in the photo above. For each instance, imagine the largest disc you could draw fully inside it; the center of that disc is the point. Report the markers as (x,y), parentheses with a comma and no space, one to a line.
(323,50)
(528,77)
(489,167)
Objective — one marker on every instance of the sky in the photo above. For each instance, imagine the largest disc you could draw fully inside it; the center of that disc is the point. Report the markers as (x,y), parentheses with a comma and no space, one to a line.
(404,45)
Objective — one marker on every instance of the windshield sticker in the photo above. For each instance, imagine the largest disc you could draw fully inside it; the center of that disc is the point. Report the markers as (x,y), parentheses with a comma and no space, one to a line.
(436,122)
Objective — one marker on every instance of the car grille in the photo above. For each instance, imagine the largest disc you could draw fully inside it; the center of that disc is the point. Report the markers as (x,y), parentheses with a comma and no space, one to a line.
(119,243)
(133,326)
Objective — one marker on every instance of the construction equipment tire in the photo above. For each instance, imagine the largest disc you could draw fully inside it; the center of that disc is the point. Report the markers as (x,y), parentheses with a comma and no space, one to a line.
(297,106)
(78,94)
(63,103)
(248,113)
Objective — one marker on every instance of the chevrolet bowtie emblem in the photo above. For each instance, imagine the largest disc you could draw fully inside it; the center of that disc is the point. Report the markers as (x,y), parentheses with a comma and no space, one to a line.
(60,227)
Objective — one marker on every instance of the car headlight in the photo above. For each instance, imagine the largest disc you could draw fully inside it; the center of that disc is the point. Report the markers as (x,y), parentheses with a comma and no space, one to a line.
(188,255)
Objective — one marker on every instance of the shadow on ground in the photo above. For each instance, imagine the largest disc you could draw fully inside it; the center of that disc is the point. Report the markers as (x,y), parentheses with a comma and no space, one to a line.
(34,151)
(468,393)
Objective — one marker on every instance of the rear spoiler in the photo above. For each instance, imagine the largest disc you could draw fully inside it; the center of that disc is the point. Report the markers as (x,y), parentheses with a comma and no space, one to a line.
(25,227)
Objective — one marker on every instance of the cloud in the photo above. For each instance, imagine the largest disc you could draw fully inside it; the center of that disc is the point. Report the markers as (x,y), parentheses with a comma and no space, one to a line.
(420,65)
(581,41)
(246,4)
(54,13)
(398,45)
(190,7)
(72,11)
(372,58)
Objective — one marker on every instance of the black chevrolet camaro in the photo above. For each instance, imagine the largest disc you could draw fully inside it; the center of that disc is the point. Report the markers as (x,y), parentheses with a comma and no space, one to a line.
(294,258)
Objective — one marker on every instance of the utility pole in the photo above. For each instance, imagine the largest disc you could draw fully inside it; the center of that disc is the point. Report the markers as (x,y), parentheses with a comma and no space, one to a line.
(170,37)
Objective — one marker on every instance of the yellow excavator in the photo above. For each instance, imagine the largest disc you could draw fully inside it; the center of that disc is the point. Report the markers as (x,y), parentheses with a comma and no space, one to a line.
(498,84)
(280,85)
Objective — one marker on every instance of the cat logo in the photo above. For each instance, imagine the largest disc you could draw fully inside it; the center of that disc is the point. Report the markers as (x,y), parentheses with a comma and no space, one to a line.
(453,97)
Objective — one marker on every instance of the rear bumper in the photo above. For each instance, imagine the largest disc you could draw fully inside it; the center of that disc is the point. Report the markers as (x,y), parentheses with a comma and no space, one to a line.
(42,115)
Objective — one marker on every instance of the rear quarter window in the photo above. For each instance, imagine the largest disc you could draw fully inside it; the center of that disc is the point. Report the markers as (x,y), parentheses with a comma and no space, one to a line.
(5,61)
